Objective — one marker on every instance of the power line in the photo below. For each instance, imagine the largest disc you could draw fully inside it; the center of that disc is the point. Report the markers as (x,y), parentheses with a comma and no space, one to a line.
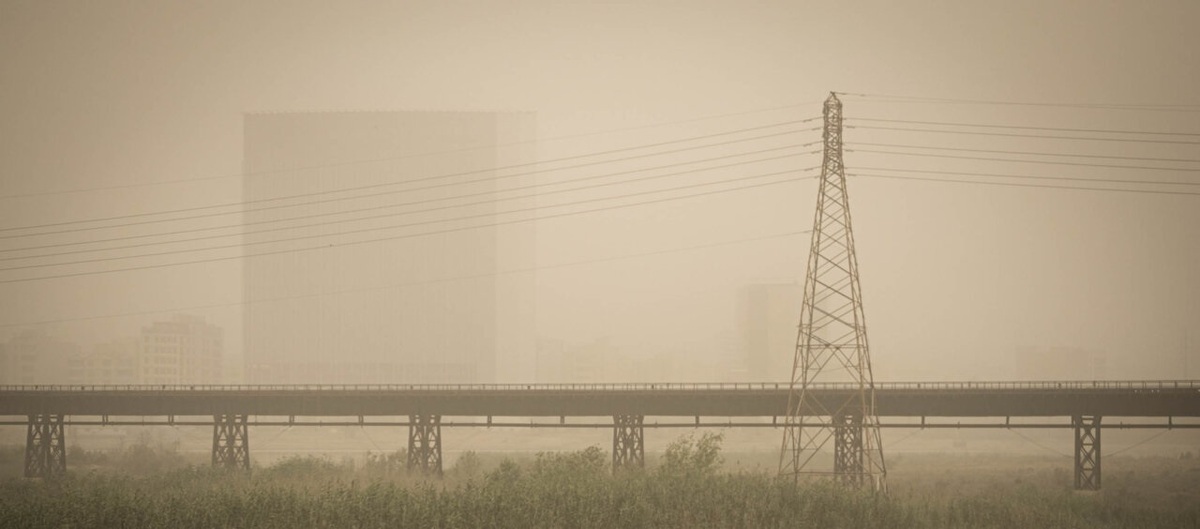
(386,206)
(1037,444)
(416,283)
(1013,135)
(892,444)
(1002,175)
(1139,443)
(381,228)
(436,232)
(1092,106)
(1024,127)
(1031,153)
(417,211)
(387,184)
(1013,184)
(1108,166)
(417,155)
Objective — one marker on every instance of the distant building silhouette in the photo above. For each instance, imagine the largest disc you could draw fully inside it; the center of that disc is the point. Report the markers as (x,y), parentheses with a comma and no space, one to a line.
(182,350)
(595,361)
(770,314)
(33,357)
(115,362)
(408,292)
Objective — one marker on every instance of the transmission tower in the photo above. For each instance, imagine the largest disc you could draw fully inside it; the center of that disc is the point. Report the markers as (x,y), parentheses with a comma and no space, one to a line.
(831,346)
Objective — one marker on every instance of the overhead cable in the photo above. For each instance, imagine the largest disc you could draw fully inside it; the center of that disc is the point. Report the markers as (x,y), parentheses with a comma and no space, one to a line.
(422,179)
(1014,135)
(1014,184)
(1031,177)
(1024,127)
(435,232)
(413,283)
(415,155)
(488,201)
(1048,162)
(1031,153)
(1092,106)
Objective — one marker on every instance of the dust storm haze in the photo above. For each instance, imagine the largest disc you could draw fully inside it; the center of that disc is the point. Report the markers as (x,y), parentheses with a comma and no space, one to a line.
(121,111)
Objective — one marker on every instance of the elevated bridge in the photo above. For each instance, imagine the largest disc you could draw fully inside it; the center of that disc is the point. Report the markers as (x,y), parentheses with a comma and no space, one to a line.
(894,399)
(425,409)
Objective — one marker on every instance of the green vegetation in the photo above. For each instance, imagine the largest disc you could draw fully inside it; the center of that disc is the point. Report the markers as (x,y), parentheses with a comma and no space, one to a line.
(684,488)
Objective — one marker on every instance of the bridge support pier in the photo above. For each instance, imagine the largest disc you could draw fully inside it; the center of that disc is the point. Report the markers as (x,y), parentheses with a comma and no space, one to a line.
(425,443)
(1087,452)
(231,442)
(628,447)
(45,447)
(848,449)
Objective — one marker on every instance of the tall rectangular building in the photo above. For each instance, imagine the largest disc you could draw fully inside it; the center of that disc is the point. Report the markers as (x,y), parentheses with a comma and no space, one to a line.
(183,350)
(32,357)
(376,246)
(115,362)
(771,312)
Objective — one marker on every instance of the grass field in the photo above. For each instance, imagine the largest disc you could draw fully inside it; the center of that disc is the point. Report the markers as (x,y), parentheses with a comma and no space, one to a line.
(687,486)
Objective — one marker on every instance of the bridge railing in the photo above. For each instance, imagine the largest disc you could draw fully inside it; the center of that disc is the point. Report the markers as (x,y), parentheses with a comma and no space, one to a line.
(634,386)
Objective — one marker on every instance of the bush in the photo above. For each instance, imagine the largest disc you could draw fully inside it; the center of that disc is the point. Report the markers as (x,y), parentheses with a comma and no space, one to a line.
(574,489)
(386,464)
(304,467)
(689,458)
(468,466)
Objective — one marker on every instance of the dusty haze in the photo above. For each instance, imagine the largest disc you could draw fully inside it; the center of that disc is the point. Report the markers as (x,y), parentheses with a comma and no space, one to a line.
(119,108)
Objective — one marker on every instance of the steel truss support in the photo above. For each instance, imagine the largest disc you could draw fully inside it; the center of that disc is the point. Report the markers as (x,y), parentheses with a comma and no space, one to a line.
(628,448)
(425,444)
(1087,452)
(848,449)
(231,442)
(45,447)
(831,343)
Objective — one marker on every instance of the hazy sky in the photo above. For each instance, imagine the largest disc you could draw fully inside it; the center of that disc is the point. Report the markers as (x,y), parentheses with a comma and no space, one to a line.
(956,277)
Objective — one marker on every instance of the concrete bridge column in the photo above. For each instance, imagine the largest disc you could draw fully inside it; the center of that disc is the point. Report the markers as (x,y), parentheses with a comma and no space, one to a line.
(848,449)
(425,443)
(628,448)
(45,447)
(231,442)
(1087,452)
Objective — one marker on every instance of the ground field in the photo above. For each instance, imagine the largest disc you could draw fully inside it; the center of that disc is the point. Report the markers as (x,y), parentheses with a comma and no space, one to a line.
(688,484)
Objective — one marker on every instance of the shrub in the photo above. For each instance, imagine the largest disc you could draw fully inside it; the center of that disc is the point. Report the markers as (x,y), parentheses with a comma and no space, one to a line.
(690,458)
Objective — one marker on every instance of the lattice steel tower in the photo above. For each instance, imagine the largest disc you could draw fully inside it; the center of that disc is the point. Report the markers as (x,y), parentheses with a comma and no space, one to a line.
(831,345)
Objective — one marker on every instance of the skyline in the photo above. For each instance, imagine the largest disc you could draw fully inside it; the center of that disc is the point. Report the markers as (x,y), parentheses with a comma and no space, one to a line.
(957,277)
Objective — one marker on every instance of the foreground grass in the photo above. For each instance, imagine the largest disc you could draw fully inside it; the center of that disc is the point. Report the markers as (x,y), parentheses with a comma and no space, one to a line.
(555,490)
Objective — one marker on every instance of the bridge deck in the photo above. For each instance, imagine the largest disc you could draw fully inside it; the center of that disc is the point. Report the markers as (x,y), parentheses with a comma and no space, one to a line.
(905,399)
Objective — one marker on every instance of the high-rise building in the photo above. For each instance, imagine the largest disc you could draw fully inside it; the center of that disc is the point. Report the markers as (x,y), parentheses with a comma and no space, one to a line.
(183,350)
(771,312)
(387,264)
(32,357)
(115,362)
